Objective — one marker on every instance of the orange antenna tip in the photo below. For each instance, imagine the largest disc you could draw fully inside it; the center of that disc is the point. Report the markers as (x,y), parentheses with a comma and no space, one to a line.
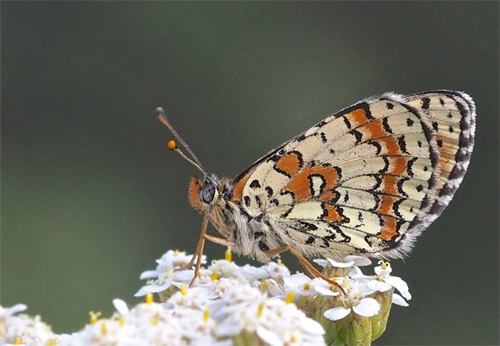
(171,144)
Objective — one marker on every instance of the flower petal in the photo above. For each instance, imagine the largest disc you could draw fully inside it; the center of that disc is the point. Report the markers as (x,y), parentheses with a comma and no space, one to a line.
(336,314)
(312,327)
(340,264)
(325,291)
(356,274)
(320,262)
(149,274)
(400,285)
(379,286)
(269,336)
(185,275)
(398,300)
(273,288)
(359,261)
(361,287)
(12,310)
(254,272)
(293,281)
(367,307)
(154,288)
(120,306)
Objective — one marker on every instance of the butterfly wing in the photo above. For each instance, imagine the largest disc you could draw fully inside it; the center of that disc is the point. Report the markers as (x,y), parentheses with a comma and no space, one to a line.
(453,119)
(368,179)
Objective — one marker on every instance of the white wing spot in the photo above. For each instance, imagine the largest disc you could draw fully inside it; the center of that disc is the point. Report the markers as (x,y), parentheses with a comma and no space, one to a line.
(317,184)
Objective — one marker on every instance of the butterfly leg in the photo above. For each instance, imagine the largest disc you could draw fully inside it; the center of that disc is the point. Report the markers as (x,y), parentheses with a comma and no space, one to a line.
(199,249)
(308,267)
(218,240)
(199,252)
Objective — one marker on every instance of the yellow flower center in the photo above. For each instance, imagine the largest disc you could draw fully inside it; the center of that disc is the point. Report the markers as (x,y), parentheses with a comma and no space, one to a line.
(289,297)
(94,316)
(260,309)
(229,255)
(215,275)
(206,314)
(149,298)
(184,290)
(104,329)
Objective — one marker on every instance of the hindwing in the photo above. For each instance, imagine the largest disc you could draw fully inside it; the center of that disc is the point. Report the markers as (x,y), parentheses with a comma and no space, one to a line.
(452,115)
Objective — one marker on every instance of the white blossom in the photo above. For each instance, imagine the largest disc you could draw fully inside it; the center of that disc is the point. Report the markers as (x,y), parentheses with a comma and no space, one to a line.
(226,301)
(169,271)
(22,329)
(366,307)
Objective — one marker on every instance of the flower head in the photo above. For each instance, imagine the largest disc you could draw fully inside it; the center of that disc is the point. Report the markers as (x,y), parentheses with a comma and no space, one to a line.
(232,304)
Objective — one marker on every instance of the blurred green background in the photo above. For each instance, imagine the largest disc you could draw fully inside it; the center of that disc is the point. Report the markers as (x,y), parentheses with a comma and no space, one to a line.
(91,197)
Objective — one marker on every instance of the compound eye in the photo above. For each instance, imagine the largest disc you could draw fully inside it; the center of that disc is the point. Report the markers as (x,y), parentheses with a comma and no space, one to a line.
(208,193)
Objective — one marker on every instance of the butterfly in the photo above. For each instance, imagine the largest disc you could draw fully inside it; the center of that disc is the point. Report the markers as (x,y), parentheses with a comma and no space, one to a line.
(366,181)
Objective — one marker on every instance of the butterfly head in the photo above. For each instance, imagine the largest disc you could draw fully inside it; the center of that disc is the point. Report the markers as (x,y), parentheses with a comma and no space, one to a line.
(204,193)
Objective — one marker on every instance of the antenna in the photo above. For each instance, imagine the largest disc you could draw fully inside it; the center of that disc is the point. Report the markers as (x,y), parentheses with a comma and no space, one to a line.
(160,113)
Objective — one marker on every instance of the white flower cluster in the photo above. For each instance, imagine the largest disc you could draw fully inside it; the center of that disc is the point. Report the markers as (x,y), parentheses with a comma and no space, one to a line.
(275,280)
(359,286)
(187,318)
(243,303)
(241,315)
(22,329)
(228,305)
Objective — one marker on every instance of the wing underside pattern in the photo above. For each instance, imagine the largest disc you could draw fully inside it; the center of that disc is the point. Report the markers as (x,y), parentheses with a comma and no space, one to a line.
(368,179)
